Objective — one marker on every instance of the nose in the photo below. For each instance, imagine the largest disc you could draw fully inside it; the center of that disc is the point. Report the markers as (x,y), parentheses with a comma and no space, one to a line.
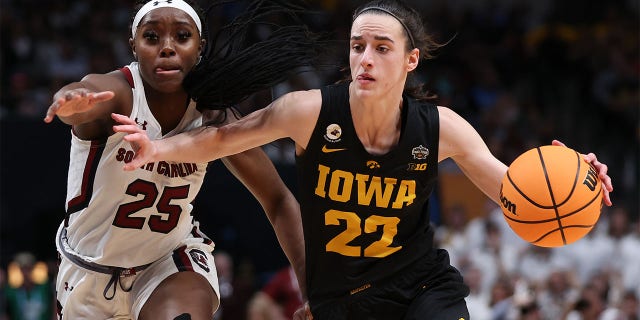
(168,49)
(367,58)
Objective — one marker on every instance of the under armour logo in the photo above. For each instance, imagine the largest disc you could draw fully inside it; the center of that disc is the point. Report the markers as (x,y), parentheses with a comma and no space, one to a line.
(155,3)
(143,124)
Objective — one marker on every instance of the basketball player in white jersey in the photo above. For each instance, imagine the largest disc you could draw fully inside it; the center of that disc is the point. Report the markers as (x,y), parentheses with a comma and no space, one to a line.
(129,247)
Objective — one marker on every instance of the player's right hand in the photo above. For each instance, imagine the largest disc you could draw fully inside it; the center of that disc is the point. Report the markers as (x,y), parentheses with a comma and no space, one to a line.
(75,101)
(145,148)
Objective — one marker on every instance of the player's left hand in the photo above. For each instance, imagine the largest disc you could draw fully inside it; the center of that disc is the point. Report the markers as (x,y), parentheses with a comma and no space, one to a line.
(601,168)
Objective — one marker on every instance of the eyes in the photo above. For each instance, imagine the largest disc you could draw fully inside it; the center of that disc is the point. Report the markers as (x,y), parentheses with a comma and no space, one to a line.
(153,36)
(359,48)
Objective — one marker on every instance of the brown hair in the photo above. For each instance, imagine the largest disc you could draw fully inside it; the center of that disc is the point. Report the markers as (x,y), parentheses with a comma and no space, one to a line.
(415,32)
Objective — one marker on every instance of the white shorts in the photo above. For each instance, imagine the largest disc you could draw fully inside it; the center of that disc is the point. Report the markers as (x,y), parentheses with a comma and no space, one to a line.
(83,293)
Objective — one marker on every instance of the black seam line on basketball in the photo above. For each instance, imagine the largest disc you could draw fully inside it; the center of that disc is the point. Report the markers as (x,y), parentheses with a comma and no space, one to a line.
(575,180)
(553,199)
(574,226)
(596,196)
(524,195)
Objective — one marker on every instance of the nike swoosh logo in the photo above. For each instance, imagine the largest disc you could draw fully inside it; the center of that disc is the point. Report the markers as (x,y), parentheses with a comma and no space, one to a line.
(328,150)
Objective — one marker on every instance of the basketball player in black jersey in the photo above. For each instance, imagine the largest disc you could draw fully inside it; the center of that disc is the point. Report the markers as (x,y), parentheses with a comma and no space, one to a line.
(367,155)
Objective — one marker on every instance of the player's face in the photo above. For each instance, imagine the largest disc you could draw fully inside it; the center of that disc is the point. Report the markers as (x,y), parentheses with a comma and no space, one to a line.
(378,58)
(167,46)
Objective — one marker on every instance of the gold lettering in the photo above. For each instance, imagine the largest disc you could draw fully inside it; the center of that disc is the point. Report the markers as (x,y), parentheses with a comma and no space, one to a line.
(323,172)
(365,195)
(406,194)
(337,193)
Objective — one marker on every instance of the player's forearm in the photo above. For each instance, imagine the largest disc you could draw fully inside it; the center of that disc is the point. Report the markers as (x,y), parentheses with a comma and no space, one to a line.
(288,228)
(198,145)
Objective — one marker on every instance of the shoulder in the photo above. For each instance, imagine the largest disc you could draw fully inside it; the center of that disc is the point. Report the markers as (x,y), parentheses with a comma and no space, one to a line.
(449,118)
(304,97)
(299,102)
(113,81)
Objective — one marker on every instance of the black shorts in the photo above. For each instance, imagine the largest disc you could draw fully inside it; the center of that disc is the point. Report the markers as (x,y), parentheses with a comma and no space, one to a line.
(418,293)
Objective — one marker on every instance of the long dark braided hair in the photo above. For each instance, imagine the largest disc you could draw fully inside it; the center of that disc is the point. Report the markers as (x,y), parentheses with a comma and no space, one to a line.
(235,65)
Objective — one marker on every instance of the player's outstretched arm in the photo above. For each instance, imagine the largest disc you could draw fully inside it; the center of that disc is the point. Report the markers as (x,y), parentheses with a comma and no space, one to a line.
(290,116)
(71,101)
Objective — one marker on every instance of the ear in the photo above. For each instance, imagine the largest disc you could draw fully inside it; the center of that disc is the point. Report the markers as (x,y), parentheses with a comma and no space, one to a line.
(203,42)
(413,59)
(133,48)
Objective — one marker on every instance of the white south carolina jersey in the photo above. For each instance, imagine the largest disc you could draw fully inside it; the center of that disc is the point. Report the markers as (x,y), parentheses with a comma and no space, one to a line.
(130,218)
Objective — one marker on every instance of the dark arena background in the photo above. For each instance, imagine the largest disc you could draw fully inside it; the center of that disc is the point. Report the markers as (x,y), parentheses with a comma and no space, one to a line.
(521,72)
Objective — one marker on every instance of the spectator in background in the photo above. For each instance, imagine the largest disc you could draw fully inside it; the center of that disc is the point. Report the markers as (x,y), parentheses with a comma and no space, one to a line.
(278,299)
(592,305)
(237,285)
(451,234)
(28,295)
(630,306)
(477,300)
(501,300)
(557,294)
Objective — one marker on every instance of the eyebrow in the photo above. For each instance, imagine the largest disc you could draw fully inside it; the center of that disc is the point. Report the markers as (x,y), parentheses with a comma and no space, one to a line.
(381,38)
(157,22)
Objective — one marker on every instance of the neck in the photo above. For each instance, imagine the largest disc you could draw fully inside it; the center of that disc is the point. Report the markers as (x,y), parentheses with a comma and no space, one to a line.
(377,122)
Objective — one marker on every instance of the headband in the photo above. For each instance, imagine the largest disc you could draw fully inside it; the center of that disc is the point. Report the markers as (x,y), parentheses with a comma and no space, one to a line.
(413,45)
(178,4)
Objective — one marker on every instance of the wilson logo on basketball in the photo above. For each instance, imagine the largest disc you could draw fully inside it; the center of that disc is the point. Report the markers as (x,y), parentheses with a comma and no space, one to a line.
(591,179)
(506,204)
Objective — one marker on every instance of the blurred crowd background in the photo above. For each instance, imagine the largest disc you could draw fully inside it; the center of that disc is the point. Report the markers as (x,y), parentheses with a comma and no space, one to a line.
(521,72)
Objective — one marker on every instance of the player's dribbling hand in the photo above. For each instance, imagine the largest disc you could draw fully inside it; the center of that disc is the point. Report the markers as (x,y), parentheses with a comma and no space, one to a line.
(139,140)
(303,313)
(75,101)
(601,168)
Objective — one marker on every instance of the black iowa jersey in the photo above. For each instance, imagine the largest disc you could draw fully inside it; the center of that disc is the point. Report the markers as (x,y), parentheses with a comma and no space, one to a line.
(365,216)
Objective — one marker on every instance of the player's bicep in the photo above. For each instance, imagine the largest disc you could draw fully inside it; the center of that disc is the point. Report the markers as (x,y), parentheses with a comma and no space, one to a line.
(462,143)
(458,139)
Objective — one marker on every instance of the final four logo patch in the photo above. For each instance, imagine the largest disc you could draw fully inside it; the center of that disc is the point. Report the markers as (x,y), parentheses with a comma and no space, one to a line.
(334,132)
(420,152)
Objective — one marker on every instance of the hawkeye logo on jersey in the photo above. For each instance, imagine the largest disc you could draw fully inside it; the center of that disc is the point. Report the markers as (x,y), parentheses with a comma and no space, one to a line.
(333,134)
(420,153)
(164,168)
(372,164)
(200,259)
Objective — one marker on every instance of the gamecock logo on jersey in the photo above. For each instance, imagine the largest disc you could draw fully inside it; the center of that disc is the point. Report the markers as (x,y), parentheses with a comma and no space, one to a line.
(200,258)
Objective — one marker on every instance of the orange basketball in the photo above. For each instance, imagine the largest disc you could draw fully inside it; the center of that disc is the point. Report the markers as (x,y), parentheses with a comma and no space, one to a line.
(550,196)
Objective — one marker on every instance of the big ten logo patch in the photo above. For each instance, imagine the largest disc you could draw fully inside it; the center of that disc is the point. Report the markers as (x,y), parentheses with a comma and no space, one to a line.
(417,167)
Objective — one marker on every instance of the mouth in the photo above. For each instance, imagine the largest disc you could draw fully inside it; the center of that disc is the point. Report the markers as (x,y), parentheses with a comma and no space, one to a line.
(167,70)
(365,77)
